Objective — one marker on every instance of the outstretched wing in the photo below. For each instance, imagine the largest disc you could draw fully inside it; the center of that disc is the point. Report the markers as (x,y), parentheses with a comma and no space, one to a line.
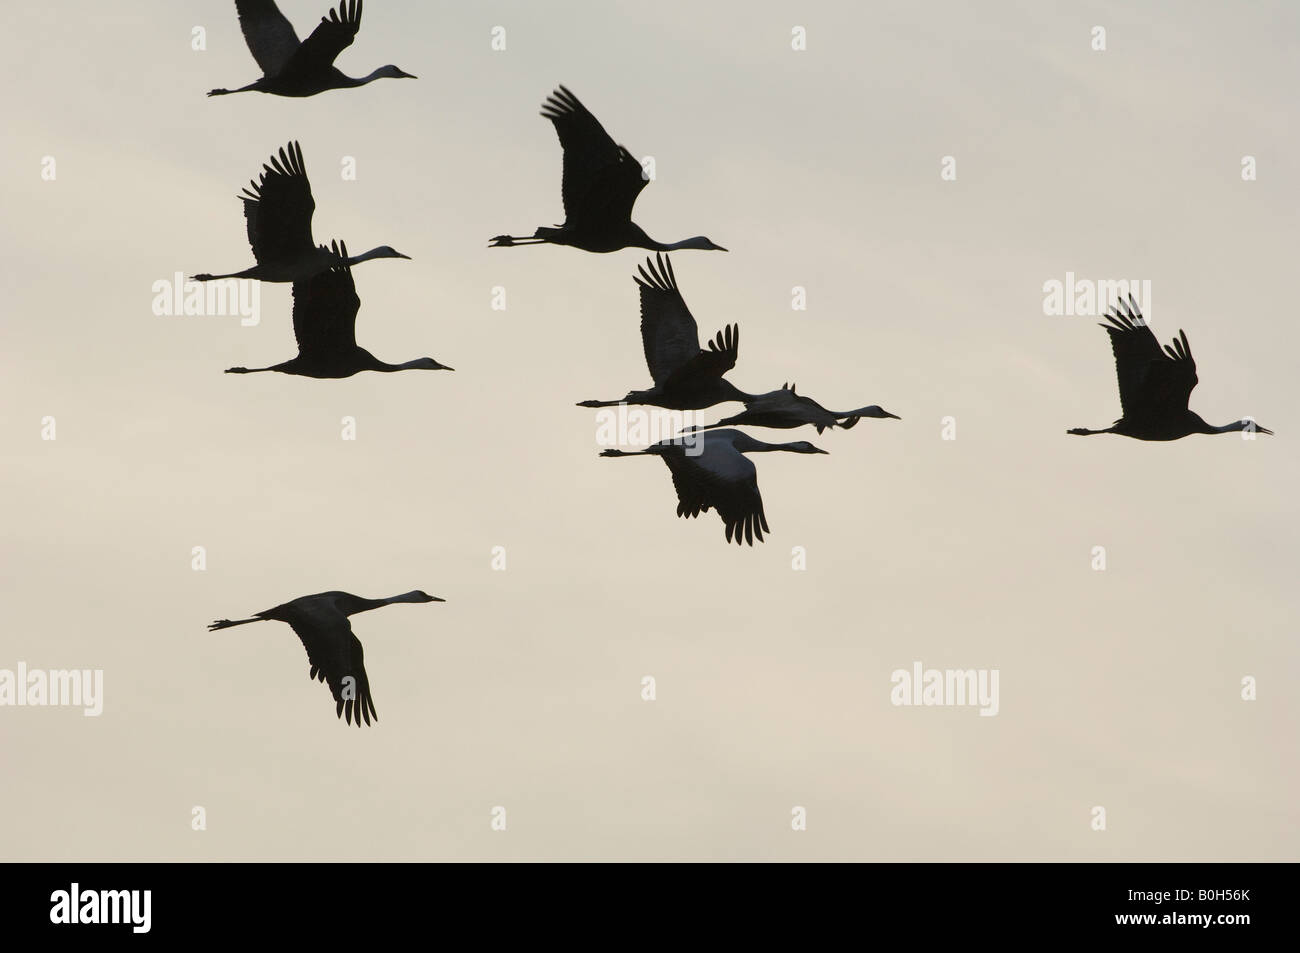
(325,308)
(330,38)
(279,208)
(268,33)
(338,660)
(1172,381)
(733,492)
(669,334)
(601,178)
(1152,382)
(714,362)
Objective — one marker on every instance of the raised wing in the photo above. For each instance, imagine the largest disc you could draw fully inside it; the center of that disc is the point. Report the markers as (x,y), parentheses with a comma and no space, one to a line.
(336,656)
(279,208)
(669,334)
(733,492)
(268,33)
(601,179)
(330,38)
(714,362)
(325,308)
(1152,382)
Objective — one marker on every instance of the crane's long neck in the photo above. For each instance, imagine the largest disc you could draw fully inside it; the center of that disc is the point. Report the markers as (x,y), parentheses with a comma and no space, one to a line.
(747,444)
(413,596)
(380,252)
(873,411)
(699,243)
(361,604)
(1237,426)
(343,81)
(372,363)
(385,368)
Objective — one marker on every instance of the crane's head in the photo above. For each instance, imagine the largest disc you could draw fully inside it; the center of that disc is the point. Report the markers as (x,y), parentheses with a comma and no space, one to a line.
(419,595)
(428,364)
(875,410)
(387,251)
(392,72)
(700,243)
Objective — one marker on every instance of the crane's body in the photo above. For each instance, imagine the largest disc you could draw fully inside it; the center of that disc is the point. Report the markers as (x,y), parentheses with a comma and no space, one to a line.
(710,471)
(325,310)
(278,210)
(785,409)
(336,656)
(293,68)
(1154,385)
(600,184)
(686,376)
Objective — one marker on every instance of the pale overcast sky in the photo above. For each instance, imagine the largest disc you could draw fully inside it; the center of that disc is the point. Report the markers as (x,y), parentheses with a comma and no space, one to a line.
(817,168)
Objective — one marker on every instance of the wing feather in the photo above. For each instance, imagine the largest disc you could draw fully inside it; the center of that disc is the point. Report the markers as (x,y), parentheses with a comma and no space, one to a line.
(279,208)
(268,33)
(325,309)
(669,335)
(336,654)
(601,179)
(332,36)
(735,496)
(1152,382)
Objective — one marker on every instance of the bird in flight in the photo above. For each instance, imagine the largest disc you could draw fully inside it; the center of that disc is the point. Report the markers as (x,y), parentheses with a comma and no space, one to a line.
(278,210)
(1154,385)
(293,68)
(335,654)
(324,322)
(784,410)
(686,376)
(710,471)
(600,184)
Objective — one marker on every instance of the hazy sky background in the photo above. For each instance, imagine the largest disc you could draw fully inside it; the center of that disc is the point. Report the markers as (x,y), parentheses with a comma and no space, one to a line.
(817,168)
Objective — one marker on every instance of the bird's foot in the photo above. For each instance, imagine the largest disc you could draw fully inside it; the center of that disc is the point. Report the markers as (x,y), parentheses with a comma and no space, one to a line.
(501,241)
(202,277)
(849,422)
(236,370)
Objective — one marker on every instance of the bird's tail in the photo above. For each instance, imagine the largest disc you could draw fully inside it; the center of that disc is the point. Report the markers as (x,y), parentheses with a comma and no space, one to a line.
(227,623)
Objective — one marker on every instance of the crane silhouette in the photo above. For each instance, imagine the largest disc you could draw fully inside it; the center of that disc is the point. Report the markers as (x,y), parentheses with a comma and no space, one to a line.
(784,410)
(335,654)
(686,376)
(710,471)
(1153,385)
(293,68)
(324,322)
(278,210)
(600,184)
